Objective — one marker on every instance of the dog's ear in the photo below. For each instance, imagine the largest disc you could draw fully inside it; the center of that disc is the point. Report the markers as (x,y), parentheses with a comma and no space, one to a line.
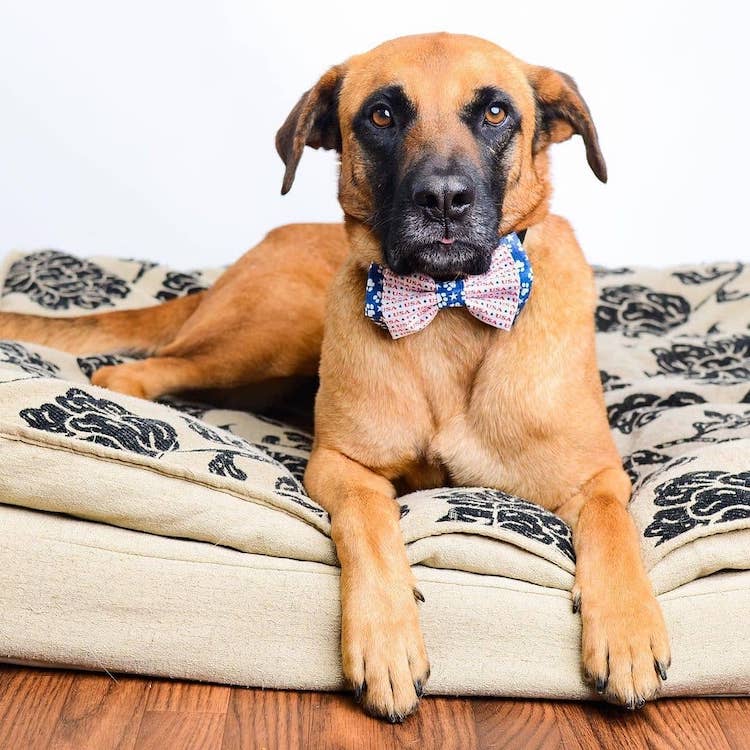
(313,122)
(562,112)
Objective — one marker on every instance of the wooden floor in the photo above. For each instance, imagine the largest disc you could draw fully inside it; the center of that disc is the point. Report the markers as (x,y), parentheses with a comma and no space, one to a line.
(42,708)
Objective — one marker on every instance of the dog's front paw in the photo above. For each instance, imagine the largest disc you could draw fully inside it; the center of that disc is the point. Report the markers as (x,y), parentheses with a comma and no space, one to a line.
(624,642)
(383,653)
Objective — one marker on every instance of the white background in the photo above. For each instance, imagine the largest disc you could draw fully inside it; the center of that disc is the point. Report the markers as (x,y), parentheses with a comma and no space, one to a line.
(145,128)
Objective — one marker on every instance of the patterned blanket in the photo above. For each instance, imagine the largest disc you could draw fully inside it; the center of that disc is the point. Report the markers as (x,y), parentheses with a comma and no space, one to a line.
(674,351)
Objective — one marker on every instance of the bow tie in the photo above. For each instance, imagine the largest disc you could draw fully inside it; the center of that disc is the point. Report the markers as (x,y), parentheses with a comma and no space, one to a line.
(407,304)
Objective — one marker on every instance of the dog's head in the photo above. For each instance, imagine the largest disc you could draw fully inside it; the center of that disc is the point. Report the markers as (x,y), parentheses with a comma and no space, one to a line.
(443,144)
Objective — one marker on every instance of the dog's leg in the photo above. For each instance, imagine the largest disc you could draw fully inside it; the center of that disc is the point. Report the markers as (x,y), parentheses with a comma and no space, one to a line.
(140,330)
(383,653)
(202,359)
(624,639)
(153,377)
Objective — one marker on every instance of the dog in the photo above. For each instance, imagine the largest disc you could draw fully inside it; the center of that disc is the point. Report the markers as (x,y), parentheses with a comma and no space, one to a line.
(443,143)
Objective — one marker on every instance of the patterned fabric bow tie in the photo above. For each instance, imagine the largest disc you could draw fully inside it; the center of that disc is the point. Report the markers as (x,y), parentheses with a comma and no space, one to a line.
(407,304)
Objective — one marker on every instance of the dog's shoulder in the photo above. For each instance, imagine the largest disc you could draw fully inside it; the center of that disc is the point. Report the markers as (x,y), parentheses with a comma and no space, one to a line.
(557,239)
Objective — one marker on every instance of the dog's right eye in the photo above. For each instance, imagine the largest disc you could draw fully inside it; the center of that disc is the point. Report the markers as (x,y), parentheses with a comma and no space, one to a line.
(495,114)
(381,117)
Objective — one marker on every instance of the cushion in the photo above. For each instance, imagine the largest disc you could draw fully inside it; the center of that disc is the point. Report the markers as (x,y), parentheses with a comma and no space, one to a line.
(199,481)
(98,597)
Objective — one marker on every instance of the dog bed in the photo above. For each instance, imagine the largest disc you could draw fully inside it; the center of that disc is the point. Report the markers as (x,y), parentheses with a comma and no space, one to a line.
(175,538)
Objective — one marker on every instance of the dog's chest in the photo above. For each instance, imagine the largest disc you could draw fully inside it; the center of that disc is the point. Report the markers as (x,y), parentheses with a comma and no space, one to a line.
(468,397)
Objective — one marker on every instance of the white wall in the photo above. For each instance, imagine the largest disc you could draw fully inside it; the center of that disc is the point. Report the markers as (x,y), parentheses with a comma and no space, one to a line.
(145,128)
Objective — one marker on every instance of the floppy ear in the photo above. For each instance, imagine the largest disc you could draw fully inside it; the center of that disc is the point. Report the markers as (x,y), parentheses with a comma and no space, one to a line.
(313,122)
(562,112)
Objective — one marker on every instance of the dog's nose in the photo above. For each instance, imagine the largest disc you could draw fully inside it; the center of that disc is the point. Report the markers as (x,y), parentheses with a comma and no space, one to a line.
(444,198)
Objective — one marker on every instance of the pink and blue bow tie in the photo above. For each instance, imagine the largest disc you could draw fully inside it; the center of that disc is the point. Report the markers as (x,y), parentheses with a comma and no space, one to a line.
(407,304)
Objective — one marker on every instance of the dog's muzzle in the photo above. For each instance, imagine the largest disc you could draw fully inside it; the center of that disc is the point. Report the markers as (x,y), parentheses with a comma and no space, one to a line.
(445,224)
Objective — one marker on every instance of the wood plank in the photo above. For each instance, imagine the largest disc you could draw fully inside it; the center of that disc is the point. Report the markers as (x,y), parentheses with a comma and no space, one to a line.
(661,725)
(445,723)
(268,719)
(339,724)
(31,701)
(101,712)
(615,726)
(573,724)
(668,723)
(180,730)
(733,715)
(187,697)
(512,724)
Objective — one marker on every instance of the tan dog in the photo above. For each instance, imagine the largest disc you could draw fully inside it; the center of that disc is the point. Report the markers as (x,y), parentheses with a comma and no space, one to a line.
(443,146)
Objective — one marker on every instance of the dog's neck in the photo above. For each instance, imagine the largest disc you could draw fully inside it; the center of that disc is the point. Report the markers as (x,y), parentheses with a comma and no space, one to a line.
(405,305)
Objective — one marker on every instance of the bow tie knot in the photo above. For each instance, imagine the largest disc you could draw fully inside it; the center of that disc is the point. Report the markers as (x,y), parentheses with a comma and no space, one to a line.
(407,304)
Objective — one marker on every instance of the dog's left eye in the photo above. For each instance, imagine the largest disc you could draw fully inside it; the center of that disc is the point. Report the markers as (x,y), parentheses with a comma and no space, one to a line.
(495,114)
(381,117)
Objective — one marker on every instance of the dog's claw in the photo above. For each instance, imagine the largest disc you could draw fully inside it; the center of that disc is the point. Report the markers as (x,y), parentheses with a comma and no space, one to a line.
(419,688)
(418,595)
(391,718)
(660,669)
(359,691)
(576,604)
(601,685)
(635,703)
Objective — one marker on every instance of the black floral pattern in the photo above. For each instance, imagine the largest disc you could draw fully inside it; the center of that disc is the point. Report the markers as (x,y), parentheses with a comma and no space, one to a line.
(726,272)
(191,408)
(290,488)
(494,508)
(89,365)
(715,422)
(295,465)
(144,266)
(82,416)
(637,463)
(718,361)
(611,382)
(223,465)
(300,441)
(236,447)
(602,271)
(635,310)
(705,274)
(177,284)
(32,363)
(638,409)
(57,281)
(699,498)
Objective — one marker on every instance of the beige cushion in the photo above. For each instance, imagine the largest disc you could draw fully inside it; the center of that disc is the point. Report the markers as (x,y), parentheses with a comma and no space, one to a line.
(674,351)
(100,597)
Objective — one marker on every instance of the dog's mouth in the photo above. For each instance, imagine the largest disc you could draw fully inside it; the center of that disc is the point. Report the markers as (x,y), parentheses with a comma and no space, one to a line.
(435,229)
(443,259)
(415,241)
